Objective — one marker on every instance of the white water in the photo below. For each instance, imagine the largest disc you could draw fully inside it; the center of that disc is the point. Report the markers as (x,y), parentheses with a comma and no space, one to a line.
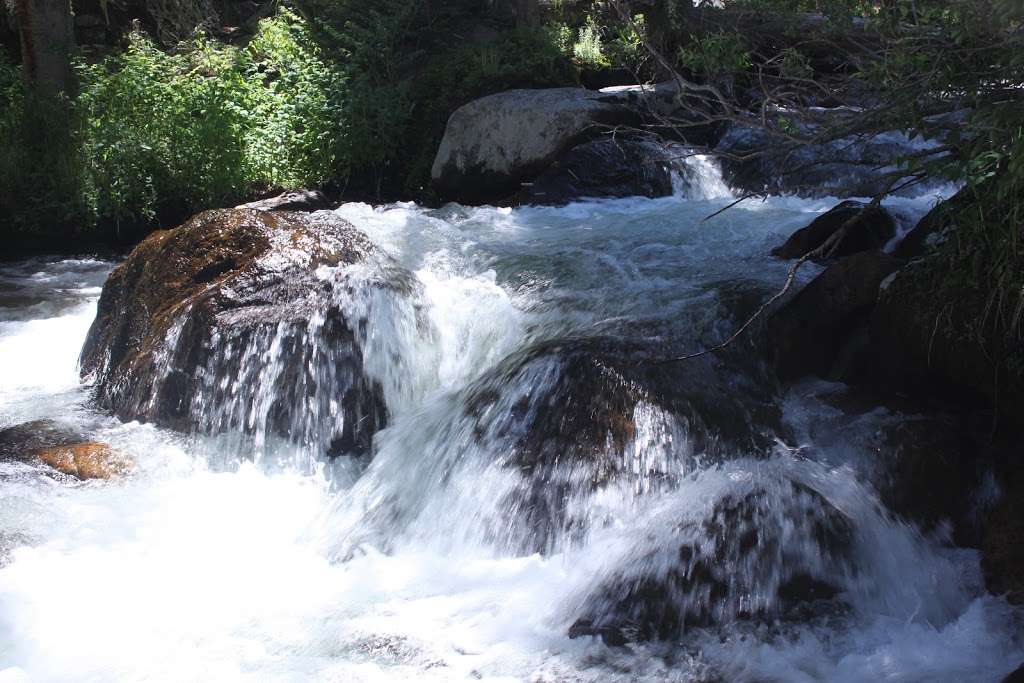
(184,571)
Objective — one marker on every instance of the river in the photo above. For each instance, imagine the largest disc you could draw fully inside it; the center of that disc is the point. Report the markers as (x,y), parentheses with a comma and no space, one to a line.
(220,562)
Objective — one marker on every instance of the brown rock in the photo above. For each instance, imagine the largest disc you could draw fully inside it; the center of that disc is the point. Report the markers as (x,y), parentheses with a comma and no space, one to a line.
(62,449)
(181,320)
(88,460)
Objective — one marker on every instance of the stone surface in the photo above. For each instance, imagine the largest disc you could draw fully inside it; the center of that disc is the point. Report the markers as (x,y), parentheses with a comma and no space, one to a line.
(869,228)
(87,460)
(605,168)
(756,555)
(63,449)
(599,412)
(293,200)
(806,335)
(232,322)
(754,161)
(1002,549)
(494,144)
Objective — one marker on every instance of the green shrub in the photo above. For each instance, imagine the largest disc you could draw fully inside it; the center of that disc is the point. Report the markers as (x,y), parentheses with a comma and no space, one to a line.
(204,125)
(588,50)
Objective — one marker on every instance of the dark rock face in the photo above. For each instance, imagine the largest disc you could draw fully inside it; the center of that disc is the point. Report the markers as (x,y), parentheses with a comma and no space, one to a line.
(605,168)
(758,554)
(1016,676)
(807,334)
(225,324)
(931,474)
(25,441)
(942,218)
(293,200)
(870,227)
(599,412)
(1002,549)
(754,161)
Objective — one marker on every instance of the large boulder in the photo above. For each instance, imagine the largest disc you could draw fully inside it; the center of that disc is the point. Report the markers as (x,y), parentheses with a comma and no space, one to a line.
(867,228)
(763,552)
(605,168)
(808,333)
(62,449)
(234,321)
(587,414)
(493,144)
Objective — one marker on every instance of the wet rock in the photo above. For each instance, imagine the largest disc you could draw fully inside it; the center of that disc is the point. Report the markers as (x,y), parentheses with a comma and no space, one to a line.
(233,322)
(87,460)
(293,200)
(807,334)
(1002,549)
(493,144)
(1016,676)
(930,475)
(605,168)
(62,449)
(600,412)
(755,161)
(869,228)
(755,555)
(25,441)
(933,225)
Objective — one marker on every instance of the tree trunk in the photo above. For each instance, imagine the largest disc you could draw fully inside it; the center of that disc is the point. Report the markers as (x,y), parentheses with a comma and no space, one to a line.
(47,39)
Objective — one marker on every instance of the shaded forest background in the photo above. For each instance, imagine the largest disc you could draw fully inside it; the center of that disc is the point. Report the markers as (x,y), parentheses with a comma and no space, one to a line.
(140,112)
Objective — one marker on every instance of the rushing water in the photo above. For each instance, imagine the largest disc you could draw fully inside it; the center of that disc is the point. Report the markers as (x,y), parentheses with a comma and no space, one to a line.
(211,563)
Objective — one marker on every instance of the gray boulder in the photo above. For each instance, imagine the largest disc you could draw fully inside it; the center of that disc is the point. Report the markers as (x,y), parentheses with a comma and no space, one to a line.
(493,144)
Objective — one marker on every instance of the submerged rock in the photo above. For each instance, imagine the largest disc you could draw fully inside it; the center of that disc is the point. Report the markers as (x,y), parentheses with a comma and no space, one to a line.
(601,412)
(62,449)
(605,168)
(807,335)
(757,554)
(234,321)
(493,144)
(869,228)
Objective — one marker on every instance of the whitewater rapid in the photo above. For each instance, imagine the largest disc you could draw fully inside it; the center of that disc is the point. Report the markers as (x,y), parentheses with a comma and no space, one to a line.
(213,564)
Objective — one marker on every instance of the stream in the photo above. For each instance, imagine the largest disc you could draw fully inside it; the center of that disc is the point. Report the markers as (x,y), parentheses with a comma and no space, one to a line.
(444,555)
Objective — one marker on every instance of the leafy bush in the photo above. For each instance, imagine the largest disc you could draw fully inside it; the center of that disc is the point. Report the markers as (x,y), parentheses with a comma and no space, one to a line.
(152,131)
(588,50)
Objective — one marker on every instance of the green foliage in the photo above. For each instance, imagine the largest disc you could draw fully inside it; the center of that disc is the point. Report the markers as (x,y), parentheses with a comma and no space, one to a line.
(715,55)
(588,50)
(202,126)
(626,47)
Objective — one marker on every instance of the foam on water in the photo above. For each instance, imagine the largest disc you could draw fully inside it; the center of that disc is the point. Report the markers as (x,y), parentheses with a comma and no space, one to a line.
(189,570)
